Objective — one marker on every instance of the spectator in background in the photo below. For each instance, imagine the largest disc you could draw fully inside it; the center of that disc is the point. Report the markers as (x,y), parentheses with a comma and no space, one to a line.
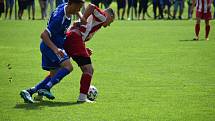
(43,7)
(168,4)
(158,4)
(121,5)
(133,5)
(190,14)
(143,5)
(214,8)
(9,6)
(31,6)
(180,4)
(1,7)
(51,3)
(22,6)
(58,2)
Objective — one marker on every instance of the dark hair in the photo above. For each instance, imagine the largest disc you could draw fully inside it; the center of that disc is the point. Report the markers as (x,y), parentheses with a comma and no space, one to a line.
(111,12)
(76,1)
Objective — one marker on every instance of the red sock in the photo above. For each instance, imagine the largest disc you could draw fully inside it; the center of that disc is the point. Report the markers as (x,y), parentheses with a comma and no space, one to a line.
(207,30)
(85,83)
(197,29)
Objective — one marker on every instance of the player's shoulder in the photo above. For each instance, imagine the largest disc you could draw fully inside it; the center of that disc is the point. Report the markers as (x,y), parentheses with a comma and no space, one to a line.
(59,11)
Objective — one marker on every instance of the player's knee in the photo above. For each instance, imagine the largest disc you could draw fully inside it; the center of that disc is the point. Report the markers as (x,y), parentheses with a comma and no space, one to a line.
(69,67)
(67,64)
(198,21)
(87,69)
(206,22)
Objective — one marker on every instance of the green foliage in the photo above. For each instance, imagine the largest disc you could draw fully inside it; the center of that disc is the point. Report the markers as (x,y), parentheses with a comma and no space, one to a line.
(144,70)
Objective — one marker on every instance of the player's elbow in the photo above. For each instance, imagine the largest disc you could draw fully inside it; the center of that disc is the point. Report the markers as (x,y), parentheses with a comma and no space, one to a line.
(91,5)
(44,35)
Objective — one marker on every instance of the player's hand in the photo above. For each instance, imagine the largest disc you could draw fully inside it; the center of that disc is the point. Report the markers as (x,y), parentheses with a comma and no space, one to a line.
(83,20)
(76,24)
(59,52)
(90,51)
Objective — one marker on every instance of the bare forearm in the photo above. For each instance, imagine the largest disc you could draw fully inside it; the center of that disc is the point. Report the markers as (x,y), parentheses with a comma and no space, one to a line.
(89,10)
(46,39)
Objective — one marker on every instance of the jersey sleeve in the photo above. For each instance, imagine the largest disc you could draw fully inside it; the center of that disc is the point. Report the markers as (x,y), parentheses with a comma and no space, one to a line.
(54,26)
(99,15)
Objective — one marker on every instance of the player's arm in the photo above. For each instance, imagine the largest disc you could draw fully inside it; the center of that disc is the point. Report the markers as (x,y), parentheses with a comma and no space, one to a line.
(82,18)
(89,10)
(46,39)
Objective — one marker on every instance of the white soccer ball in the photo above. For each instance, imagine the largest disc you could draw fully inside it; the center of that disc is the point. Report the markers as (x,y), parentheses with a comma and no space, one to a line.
(92,93)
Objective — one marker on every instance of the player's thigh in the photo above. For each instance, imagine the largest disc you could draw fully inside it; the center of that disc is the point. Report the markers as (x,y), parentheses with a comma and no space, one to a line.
(81,60)
(87,69)
(67,64)
(75,46)
(50,59)
(207,22)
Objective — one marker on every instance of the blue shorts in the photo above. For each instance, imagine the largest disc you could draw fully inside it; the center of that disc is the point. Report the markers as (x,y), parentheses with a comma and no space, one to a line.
(50,60)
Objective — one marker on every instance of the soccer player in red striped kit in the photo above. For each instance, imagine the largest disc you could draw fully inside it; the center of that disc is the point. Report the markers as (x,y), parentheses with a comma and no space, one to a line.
(75,47)
(203,11)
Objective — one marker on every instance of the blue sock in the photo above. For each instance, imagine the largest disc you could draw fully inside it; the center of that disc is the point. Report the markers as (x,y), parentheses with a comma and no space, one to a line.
(39,86)
(57,78)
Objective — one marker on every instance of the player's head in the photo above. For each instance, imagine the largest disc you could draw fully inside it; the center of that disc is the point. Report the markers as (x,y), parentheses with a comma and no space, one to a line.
(74,6)
(110,16)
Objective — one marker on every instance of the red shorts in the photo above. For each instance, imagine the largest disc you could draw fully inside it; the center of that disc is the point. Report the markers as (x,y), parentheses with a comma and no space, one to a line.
(74,45)
(202,15)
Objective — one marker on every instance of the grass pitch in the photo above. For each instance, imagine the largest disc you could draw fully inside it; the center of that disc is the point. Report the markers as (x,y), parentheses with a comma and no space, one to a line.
(144,70)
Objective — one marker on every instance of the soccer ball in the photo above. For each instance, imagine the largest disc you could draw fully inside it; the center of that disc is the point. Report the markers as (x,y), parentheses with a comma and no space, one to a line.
(92,93)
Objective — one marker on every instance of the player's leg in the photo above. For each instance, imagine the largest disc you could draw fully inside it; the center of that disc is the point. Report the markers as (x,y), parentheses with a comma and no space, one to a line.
(207,29)
(87,72)
(75,47)
(52,61)
(27,94)
(197,28)
(66,68)
(46,65)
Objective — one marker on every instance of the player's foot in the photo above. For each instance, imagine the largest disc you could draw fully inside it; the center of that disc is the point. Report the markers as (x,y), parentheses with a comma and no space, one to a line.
(85,101)
(196,38)
(38,98)
(207,39)
(46,93)
(26,96)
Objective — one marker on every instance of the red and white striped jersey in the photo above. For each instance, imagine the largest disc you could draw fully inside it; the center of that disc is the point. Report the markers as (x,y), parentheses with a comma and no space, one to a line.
(202,5)
(94,22)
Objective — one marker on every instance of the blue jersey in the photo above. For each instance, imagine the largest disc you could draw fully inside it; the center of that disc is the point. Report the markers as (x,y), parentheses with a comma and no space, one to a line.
(58,24)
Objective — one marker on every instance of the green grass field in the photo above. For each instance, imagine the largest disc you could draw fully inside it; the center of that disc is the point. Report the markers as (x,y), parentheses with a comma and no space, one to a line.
(144,70)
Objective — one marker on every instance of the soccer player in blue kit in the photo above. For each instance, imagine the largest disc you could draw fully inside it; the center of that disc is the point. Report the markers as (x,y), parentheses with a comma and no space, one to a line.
(54,58)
